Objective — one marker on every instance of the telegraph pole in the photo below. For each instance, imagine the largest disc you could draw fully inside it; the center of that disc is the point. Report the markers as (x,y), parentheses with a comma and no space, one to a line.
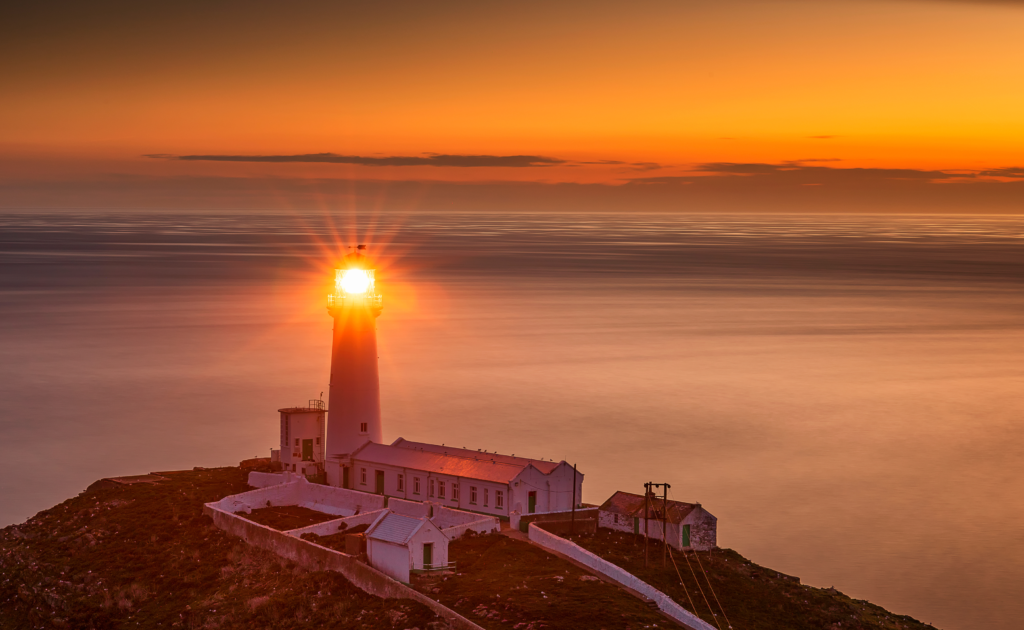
(664,526)
(648,492)
(572,527)
(647,496)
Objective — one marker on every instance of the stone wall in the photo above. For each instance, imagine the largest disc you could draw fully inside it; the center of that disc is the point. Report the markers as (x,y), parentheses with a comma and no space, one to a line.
(703,530)
(617,522)
(263,480)
(561,515)
(328,528)
(415,509)
(300,492)
(562,528)
(619,575)
(317,558)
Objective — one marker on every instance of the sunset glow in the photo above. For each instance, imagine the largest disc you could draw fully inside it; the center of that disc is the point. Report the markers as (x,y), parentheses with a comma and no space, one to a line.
(909,104)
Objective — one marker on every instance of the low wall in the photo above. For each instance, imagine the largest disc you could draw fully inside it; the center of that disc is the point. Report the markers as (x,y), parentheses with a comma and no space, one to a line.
(264,480)
(485,525)
(337,501)
(561,528)
(561,515)
(448,517)
(618,574)
(328,528)
(317,558)
(415,509)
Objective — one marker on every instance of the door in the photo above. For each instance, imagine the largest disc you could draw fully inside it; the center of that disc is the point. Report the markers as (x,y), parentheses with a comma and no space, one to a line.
(636,524)
(380,482)
(307,450)
(532,501)
(428,555)
(344,476)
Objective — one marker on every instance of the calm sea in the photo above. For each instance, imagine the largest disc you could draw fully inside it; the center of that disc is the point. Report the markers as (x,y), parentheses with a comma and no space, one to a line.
(845,393)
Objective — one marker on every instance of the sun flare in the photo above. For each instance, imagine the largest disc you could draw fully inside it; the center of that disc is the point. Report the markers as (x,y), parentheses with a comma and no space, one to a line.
(355,281)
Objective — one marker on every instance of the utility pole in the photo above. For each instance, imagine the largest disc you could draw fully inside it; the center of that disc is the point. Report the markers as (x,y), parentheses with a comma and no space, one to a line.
(664,527)
(648,493)
(572,527)
(647,540)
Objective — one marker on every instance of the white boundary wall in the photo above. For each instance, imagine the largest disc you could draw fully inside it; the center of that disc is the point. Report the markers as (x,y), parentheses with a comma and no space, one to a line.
(618,574)
(337,501)
(318,558)
(327,528)
(263,480)
(415,509)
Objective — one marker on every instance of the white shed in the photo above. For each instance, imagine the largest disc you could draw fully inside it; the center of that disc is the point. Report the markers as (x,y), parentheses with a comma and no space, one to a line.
(302,438)
(397,544)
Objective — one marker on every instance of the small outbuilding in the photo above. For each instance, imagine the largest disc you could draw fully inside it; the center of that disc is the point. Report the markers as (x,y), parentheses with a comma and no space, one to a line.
(302,438)
(397,544)
(687,525)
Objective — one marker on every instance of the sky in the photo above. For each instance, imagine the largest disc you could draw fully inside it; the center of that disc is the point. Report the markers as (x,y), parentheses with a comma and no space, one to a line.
(739,105)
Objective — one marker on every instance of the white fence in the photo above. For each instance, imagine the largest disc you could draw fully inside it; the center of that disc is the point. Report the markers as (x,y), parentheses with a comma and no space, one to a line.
(618,574)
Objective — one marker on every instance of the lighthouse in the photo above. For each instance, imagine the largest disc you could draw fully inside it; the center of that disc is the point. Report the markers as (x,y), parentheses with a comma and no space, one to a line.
(353,416)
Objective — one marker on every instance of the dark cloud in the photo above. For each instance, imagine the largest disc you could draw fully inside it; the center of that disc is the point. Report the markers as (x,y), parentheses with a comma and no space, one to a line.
(1013,171)
(458,161)
(639,166)
(758,188)
(801,171)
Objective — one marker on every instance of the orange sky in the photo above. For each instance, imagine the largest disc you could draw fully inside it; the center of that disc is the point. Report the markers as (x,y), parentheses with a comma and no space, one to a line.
(89,88)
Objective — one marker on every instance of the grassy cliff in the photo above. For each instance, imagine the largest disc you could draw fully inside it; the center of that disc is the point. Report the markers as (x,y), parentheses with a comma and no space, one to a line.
(144,556)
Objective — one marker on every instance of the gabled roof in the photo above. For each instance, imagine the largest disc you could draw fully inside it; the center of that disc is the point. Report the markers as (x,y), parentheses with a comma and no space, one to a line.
(629,504)
(545,466)
(395,528)
(457,462)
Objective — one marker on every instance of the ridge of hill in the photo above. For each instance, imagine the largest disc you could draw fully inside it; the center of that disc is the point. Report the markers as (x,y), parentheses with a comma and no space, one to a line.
(142,555)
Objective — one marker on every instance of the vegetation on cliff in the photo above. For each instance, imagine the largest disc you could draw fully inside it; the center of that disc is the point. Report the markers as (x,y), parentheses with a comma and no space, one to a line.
(741,593)
(144,556)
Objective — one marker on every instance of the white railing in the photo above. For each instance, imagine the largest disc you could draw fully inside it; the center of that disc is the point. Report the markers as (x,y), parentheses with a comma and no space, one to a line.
(335,300)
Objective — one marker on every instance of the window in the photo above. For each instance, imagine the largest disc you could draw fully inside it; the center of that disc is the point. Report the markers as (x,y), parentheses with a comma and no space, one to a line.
(430,491)
(362,476)
(293,467)
(415,485)
(401,483)
(362,427)
(615,517)
(472,495)
(296,441)
(499,499)
(440,489)
(318,441)
(455,491)
(486,492)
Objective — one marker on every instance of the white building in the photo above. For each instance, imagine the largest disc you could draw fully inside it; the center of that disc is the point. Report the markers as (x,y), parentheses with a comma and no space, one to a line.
(475,481)
(397,544)
(302,438)
(687,526)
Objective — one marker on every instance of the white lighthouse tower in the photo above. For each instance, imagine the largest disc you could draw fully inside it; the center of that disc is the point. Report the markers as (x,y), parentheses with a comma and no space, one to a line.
(353,416)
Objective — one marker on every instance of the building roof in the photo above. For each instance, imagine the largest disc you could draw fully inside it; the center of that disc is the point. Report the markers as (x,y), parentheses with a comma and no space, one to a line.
(629,504)
(457,462)
(545,466)
(395,528)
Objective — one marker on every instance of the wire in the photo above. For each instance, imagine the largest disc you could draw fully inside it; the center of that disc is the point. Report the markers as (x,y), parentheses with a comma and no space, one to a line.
(717,623)
(680,575)
(710,587)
